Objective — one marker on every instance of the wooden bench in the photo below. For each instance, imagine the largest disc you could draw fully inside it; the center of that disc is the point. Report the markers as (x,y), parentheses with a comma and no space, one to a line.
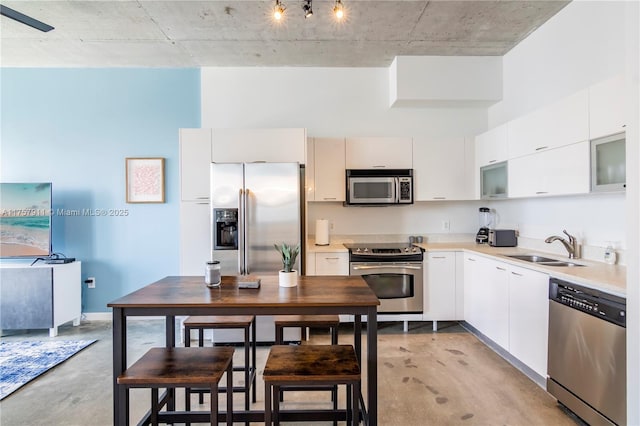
(182,367)
(311,365)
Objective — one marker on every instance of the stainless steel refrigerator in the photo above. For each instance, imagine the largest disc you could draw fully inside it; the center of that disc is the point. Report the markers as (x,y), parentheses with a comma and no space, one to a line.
(254,206)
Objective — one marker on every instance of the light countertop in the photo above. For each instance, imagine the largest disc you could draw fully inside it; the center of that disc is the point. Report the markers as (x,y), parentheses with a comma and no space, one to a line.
(598,275)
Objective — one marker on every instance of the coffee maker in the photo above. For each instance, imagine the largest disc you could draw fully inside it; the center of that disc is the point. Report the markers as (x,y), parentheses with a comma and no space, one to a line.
(486,220)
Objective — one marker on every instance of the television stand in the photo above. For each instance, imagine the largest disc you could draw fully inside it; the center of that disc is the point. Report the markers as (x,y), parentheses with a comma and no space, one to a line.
(39,296)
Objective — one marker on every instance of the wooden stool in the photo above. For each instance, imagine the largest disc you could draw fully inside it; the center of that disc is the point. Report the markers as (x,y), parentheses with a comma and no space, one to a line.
(303,321)
(312,365)
(182,367)
(246,322)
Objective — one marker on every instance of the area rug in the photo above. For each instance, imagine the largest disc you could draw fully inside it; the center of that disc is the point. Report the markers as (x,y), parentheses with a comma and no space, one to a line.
(23,361)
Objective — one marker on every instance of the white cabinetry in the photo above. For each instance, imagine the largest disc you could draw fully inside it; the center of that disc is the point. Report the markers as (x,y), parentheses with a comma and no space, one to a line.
(443,168)
(195,228)
(529,317)
(40,296)
(491,146)
(443,294)
(195,161)
(486,298)
(195,237)
(251,145)
(379,153)
(336,263)
(327,263)
(561,123)
(607,112)
(560,171)
(328,169)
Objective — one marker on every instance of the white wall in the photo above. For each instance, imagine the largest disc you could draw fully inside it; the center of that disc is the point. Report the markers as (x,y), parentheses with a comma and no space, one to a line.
(581,45)
(328,102)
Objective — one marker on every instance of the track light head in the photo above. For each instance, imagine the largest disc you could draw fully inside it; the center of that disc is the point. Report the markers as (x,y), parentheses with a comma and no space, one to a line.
(308,9)
(278,11)
(338,10)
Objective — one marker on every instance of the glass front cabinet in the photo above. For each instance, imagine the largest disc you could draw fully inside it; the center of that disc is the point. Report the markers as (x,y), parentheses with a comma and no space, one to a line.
(493,181)
(608,164)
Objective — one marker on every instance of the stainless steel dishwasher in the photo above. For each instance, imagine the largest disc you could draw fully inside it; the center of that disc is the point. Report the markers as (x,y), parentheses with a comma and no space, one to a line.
(587,364)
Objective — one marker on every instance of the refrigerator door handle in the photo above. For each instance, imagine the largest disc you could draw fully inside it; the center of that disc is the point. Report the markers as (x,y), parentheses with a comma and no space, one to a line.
(246,233)
(240,232)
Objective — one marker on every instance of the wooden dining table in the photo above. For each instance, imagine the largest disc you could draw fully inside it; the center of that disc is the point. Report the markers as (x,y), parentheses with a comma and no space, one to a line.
(188,295)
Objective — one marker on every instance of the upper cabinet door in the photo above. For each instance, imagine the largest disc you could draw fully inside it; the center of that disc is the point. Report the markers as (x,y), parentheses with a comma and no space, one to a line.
(255,145)
(329,169)
(195,161)
(562,123)
(491,146)
(379,153)
(442,169)
(607,112)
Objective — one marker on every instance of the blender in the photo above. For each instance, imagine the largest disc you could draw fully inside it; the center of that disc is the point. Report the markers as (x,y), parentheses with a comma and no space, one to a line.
(486,220)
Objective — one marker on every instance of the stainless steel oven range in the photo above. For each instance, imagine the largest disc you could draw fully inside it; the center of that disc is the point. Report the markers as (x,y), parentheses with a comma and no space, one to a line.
(394,273)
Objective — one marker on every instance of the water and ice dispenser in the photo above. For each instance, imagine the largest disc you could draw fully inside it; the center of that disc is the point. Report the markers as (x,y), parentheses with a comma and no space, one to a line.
(225,233)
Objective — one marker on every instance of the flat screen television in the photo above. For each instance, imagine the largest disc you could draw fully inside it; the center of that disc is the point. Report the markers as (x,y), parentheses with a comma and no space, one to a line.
(25,220)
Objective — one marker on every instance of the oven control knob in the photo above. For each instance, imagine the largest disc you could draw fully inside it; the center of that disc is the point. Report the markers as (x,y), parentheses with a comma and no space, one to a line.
(366,250)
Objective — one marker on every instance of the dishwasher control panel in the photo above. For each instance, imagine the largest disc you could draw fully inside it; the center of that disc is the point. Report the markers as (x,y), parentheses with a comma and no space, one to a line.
(593,302)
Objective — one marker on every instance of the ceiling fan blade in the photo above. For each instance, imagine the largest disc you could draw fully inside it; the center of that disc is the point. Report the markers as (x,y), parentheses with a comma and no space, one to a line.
(24,19)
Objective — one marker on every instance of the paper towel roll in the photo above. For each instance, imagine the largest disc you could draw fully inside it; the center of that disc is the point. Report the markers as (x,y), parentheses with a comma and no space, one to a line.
(322,232)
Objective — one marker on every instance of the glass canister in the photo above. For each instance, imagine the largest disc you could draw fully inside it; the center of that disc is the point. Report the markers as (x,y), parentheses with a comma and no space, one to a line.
(212,274)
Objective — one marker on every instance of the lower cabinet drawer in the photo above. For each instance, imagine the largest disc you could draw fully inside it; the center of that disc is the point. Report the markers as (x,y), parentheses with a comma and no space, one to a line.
(332,263)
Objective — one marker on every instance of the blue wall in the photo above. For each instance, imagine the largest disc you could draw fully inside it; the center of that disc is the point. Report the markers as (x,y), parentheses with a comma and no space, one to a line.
(74,128)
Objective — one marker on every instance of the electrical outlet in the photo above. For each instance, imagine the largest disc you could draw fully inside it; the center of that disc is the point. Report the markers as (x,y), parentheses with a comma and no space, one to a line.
(91,282)
(446,225)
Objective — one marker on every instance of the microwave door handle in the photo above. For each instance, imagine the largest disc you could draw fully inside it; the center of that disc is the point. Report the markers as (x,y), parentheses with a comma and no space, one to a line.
(396,197)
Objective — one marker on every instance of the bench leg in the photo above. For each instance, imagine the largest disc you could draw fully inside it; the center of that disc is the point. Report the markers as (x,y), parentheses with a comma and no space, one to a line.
(229,394)
(267,404)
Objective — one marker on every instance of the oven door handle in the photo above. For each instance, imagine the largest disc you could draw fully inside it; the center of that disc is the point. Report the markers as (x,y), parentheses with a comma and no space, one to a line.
(365,267)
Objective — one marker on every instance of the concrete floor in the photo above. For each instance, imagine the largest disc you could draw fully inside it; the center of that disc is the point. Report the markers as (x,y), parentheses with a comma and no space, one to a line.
(425,378)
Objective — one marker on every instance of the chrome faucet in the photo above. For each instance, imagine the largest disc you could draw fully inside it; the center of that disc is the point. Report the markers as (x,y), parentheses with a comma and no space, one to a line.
(571,245)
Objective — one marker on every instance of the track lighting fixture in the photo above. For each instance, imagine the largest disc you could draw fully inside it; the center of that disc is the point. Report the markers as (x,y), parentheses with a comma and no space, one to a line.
(307,8)
(338,10)
(278,10)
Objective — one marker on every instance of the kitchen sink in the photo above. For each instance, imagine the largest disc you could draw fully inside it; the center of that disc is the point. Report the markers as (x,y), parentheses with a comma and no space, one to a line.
(532,258)
(541,260)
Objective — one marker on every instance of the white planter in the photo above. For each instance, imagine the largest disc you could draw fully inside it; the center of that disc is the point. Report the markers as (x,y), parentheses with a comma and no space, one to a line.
(288,279)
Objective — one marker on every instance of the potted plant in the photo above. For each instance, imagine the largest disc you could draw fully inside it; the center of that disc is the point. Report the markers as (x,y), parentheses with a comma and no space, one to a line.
(287,276)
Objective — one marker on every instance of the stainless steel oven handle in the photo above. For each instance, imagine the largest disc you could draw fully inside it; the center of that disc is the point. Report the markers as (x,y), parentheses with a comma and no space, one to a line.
(365,267)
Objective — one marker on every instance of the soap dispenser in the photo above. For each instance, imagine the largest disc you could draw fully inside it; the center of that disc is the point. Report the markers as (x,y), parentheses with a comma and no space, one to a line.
(610,254)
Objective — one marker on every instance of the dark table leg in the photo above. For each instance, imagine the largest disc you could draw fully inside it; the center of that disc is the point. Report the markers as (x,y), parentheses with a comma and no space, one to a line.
(372,366)
(170,333)
(120,394)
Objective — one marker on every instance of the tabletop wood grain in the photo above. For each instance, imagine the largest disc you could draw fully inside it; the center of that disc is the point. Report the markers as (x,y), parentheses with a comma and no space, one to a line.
(191,291)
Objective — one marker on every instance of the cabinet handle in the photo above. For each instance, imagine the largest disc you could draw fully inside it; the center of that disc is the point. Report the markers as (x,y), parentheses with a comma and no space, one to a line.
(439,198)
(202,198)
(500,269)
(329,198)
(540,148)
(441,257)
(331,258)
(203,204)
(492,161)
(517,274)
(541,192)
(378,167)
(470,259)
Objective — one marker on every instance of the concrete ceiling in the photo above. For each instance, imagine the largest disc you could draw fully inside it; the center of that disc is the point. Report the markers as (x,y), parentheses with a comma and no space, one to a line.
(182,33)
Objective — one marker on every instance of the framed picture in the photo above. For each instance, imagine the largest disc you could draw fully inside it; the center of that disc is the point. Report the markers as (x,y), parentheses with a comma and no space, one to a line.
(145,180)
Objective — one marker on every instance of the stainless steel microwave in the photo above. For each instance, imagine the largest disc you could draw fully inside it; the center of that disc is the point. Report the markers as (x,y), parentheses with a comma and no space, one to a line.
(379,187)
